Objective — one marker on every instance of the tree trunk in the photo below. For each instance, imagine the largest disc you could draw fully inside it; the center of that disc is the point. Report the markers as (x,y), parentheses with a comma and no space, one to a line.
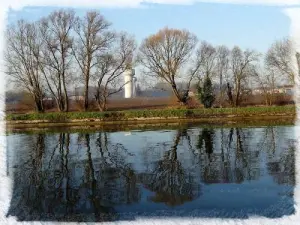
(229,93)
(102,105)
(39,106)
(181,99)
(59,103)
(237,99)
(221,99)
(221,91)
(66,100)
(86,95)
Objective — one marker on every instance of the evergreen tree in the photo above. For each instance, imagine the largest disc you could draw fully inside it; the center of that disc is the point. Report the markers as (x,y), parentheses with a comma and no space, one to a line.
(205,93)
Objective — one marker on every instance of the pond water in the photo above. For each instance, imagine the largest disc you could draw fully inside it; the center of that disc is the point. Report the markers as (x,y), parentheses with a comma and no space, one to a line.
(186,171)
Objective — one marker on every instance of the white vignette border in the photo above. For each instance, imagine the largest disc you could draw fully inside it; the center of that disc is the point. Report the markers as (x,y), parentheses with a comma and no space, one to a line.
(6,183)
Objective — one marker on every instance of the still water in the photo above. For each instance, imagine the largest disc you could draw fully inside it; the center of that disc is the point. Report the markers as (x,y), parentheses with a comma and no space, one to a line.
(188,171)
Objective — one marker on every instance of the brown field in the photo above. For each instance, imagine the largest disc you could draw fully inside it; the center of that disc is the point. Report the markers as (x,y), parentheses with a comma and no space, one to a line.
(113,105)
(141,103)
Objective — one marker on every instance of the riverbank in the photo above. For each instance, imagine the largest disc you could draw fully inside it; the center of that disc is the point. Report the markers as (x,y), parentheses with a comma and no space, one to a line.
(159,114)
(248,115)
(149,125)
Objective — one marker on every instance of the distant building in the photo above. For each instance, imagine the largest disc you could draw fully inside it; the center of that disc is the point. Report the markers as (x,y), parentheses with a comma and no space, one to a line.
(257,91)
(155,93)
(284,89)
(79,93)
(48,99)
(288,89)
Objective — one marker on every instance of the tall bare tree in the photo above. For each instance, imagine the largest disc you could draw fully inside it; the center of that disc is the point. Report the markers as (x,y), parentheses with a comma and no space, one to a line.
(57,44)
(279,58)
(163,56)
(222,67)
(110,67)
(92,38)
(22,58)
(242,65)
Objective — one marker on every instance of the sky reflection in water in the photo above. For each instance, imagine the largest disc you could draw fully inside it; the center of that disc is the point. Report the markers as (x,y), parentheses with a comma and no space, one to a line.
(190,171)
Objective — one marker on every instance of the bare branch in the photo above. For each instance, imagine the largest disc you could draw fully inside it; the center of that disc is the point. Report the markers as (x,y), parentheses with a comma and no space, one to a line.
(22,58)
(242,64)
(111,66)
(92,38)
(55,31)
(164,54)
(279,58)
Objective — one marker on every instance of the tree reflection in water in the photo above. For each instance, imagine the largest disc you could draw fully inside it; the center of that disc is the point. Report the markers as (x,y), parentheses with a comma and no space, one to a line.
(169,180)
(234,160)
(281,167)
(58,189)
(89,176)
(283,170)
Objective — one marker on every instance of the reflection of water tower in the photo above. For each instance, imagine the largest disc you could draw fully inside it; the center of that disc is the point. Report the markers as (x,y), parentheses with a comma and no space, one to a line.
(129,83)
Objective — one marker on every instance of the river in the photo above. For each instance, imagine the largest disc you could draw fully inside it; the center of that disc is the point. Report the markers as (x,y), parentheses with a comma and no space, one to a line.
(188,170)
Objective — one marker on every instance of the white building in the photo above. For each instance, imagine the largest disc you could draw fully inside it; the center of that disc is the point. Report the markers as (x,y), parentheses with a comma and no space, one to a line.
(129,80)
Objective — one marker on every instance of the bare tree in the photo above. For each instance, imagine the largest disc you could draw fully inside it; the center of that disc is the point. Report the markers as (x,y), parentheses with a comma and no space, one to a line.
(242,65)
(207,57)
(279,58)
(222,67)
(163,56)
(22,58)
(57,44)
(111,66)
(267,80)
(92,38)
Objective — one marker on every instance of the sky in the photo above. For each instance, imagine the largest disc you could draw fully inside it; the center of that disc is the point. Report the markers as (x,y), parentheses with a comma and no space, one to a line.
(249,26)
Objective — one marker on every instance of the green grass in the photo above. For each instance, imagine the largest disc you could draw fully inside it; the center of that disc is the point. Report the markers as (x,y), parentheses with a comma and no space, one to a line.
(161,113)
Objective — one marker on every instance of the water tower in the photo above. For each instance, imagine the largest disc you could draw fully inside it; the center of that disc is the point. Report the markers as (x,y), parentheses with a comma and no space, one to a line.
(128,78)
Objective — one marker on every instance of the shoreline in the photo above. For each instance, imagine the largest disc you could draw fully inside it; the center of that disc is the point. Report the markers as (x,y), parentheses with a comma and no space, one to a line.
(214,116)
(153,119)
(87,124)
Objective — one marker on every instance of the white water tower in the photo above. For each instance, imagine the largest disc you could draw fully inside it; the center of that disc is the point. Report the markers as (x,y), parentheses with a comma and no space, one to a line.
(128,78)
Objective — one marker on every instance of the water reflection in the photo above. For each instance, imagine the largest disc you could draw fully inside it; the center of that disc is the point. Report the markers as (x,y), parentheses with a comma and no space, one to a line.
(172,184)
(105,176)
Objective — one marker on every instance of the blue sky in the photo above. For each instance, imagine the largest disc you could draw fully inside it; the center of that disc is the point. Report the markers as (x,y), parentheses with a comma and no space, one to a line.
(253,26)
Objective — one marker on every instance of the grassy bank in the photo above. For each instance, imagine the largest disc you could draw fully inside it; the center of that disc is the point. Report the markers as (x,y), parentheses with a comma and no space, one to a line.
(160,114)
(103,127)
